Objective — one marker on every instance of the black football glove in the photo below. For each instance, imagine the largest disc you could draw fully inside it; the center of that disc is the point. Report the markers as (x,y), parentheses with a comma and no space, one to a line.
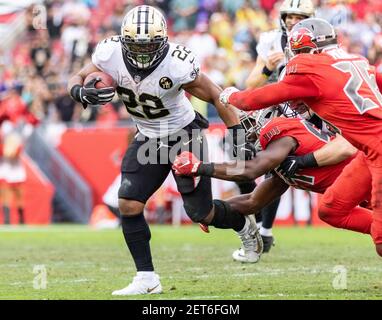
(289,167)
(89,94)
(242,149)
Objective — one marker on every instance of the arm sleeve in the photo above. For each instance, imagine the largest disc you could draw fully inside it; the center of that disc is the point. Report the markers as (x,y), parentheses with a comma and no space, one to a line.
(291,88)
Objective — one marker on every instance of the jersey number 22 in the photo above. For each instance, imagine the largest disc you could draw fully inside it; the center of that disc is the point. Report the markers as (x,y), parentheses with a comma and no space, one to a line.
(152,107)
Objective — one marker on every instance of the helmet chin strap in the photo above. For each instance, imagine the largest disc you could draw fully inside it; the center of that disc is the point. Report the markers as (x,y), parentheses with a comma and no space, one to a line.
(283,26)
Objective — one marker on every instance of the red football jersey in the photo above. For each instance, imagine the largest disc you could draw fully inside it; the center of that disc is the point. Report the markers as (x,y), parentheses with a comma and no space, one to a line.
(339,87)
(378,77)
(309,139)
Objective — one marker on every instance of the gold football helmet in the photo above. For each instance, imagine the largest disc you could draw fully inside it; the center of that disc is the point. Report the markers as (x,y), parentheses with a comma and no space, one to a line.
(300,7)
(143,36)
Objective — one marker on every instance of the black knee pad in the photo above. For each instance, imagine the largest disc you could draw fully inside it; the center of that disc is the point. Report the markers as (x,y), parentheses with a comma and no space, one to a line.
(226,218)
(196,212)
(221,205)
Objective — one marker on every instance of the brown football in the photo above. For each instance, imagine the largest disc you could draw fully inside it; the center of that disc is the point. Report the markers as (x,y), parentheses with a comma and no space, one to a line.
(106,80)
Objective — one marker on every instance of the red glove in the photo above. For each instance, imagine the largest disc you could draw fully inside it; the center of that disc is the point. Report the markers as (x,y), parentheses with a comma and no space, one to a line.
(186,164)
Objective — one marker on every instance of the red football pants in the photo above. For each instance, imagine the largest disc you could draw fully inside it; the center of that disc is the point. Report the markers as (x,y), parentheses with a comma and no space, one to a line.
(369,139)
(376,202)
(338,205)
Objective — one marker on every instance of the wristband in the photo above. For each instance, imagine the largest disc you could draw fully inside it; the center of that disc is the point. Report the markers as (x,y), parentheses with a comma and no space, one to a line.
(307,161)
(75,92)
(206,169)
(267,72)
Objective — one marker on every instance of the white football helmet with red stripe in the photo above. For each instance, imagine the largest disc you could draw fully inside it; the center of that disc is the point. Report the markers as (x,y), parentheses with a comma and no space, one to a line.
(254,121)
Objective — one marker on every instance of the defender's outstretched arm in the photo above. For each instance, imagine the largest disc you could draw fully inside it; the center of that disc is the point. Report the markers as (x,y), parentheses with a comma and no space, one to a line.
(337,150)
(293,87)
(265,161)
(264,193)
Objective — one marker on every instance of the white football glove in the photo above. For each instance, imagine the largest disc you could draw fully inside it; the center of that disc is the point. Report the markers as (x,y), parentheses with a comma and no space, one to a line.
(225,94)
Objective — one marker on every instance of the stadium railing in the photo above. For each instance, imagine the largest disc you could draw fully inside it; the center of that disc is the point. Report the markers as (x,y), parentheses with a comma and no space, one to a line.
(70,187)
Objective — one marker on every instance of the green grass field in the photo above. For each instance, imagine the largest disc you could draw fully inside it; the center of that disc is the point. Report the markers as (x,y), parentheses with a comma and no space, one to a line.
(86,264)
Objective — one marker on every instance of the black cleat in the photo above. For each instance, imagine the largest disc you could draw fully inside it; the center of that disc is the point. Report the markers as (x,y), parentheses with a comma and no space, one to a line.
(268,242)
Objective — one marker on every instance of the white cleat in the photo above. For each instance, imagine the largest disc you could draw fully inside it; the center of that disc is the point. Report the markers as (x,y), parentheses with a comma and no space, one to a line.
(246,257)
(142,284)
(252,243)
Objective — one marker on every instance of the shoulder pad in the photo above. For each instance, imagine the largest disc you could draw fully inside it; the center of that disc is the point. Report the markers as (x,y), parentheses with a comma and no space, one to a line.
(269,36)
(184,65)
(267,41)
(274,128)
(106,48)
(301,63)
(278,121)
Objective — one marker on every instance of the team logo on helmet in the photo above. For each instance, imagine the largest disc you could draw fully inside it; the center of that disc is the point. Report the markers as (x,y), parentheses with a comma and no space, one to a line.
(311,36)
(302,38)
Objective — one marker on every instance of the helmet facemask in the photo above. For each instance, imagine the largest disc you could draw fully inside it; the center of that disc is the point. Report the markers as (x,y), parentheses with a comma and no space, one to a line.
(254,121)
(283,22)
(296,109)
(252,130)
(143,54)
(304,8)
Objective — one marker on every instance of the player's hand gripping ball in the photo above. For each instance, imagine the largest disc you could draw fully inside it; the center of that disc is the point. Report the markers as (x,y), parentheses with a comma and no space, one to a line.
(99,88)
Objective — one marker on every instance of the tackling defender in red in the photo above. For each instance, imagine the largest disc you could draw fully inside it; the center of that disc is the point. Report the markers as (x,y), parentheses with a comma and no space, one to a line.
(279,138)
(339,87)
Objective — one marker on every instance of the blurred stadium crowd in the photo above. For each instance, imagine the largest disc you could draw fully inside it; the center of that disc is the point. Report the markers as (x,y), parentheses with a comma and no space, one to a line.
(223,33)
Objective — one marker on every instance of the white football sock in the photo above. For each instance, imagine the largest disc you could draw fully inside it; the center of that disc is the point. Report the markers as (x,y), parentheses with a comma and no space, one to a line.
(146,274)
(266,232)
